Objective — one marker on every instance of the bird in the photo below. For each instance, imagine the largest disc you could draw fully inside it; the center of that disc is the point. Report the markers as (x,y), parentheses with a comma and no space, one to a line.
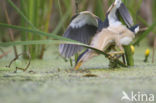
(120,35)
(85,25)
(116,8)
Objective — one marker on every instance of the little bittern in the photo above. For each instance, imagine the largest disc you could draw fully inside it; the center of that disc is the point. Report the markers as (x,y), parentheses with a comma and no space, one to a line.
(86,25)
(119,36)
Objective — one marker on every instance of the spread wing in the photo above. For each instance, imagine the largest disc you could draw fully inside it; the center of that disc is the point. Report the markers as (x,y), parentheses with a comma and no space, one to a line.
(126,15)
(82,28)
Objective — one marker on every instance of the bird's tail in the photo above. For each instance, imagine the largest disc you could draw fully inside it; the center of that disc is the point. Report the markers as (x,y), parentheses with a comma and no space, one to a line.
(87,54)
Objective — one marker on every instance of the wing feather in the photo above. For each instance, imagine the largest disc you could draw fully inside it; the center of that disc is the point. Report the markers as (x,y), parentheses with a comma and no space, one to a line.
(126,15)
(82,28)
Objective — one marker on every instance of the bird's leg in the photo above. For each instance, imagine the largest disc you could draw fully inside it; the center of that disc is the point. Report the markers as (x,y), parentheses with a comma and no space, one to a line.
(124,58)
(122,55)
(121,52)
(116,53)
(119,56)
(78,65)
(88,55)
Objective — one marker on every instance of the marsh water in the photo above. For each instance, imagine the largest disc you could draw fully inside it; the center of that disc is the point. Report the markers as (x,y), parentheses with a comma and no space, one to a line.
(52,80)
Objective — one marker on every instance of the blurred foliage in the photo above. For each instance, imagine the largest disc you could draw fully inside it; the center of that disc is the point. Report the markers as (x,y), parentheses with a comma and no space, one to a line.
(53,16)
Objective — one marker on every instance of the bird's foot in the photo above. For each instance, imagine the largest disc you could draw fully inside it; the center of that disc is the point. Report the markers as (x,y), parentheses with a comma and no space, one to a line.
(116,53)
(77,66)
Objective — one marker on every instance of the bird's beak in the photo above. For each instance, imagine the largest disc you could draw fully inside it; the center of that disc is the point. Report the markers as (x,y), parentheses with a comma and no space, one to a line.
(112,6)
(78,65)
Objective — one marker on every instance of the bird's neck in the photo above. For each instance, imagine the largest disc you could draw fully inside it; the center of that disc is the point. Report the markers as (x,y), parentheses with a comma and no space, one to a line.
(114,23)
(113,19)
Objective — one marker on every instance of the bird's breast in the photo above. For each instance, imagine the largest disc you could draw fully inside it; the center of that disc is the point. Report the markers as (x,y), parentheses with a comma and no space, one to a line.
(126,40)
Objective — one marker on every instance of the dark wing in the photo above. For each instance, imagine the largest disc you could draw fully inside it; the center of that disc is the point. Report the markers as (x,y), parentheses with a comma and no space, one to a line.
(126,15)
(82,28)
(102,24)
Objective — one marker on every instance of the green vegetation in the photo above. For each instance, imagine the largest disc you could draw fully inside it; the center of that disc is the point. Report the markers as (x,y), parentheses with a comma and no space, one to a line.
(38,30)
(53,80)
(36,15)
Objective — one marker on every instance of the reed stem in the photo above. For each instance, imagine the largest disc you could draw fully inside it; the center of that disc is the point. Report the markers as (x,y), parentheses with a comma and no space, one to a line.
(129,55)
